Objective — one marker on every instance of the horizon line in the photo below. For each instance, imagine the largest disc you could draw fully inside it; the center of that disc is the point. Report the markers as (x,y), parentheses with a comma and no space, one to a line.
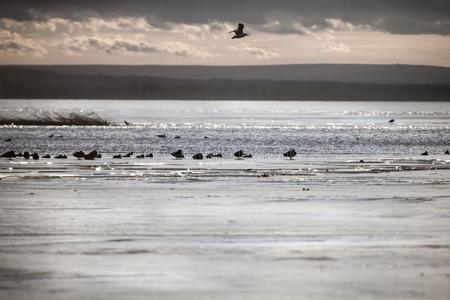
(244,65)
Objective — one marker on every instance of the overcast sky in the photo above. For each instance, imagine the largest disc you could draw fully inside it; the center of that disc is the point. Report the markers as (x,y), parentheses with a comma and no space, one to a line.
(196,32)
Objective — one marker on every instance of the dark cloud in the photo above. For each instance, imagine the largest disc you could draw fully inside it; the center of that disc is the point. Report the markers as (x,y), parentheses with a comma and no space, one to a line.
(396,16)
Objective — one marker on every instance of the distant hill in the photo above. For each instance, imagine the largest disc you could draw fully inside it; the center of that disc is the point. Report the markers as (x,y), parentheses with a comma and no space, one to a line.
(402,74)
(278,82)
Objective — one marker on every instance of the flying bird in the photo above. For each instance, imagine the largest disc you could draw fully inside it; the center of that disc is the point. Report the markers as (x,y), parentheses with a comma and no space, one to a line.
(239,32)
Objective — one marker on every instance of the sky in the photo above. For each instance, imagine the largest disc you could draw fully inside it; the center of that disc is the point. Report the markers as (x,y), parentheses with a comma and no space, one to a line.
(197,32)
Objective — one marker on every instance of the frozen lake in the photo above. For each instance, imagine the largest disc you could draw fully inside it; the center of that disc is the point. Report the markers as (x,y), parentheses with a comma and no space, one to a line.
(358,214)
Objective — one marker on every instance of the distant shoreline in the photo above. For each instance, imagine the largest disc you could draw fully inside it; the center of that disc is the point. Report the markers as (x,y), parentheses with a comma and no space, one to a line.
(264,83)
(251,100)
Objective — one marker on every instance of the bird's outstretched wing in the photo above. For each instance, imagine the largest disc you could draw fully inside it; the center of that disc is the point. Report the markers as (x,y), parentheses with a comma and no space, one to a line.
(240,28)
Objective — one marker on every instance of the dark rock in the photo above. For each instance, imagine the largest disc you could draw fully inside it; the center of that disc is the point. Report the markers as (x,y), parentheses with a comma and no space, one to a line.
(79,154)
(177,137)
(177,154)
(361,161)
(26,155)
(128,154)
(35,156)
(61,156)
(7,140)
(20,154)
(140,156)
(391,121)
(150,155)
(162,135)
(206,137)
(425,153)
(118,156)
(291,153)
(127,123)
(9,154)
(99,155)
(46,156)
(50,136)
(91,155)
(198,156)
(248,156)
(447,152)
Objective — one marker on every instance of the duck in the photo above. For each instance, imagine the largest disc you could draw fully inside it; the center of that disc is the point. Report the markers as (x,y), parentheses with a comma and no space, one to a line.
(79,154)
(198,156)
(91,155)
(177,154)
(9,154)
(291,153)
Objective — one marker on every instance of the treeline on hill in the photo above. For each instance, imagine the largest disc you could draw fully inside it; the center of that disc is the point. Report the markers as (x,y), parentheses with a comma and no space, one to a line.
(36,84)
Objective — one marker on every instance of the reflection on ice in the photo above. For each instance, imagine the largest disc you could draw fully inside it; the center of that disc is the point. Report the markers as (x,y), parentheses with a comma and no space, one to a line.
(268,170)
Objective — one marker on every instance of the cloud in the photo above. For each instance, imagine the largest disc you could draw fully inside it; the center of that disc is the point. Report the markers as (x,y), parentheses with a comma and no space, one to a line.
(399,16)
(91,24)
(258,53)
(109,45)
(329,43)
(332,46)
(14,44)
(121,45)
(111,35)
(323,34)
(284,26)
(341,25)
(198,31)
(121,25)
(289,25)
(52,25)
(118,24)
(10,24)
(185,50)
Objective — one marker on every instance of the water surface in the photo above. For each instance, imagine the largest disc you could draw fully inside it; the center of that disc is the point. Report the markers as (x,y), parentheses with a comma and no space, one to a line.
(358,213)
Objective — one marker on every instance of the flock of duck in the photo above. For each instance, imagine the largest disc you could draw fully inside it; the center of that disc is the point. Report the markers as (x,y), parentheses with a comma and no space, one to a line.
(291,153)
(96,155)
